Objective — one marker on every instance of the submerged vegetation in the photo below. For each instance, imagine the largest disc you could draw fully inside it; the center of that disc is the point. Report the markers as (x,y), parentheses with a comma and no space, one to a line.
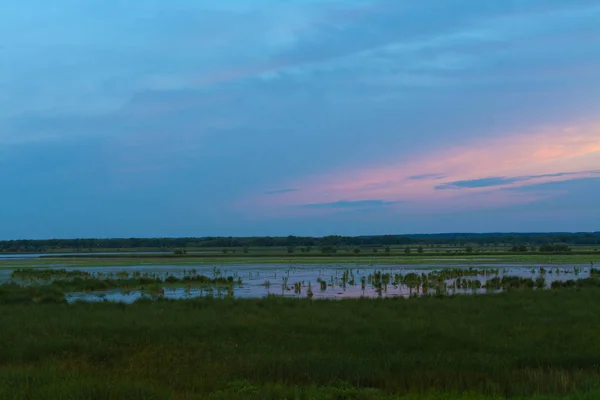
(516,344)
(47,274)
(51,285)
(118,279)
(296,281)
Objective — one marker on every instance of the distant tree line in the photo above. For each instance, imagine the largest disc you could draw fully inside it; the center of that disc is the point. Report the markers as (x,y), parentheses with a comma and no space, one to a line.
(513,241)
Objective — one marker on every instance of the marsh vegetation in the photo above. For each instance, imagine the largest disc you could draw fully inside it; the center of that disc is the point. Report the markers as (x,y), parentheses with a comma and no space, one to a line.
(472,333)
(318,281)
(516,344)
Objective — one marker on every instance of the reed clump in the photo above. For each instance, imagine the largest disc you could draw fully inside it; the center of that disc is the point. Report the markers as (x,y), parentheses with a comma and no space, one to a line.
(12,293)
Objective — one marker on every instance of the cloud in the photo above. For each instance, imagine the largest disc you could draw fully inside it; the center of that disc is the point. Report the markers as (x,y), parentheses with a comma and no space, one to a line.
(478,183)
(426,176)
(484,166)
(503,181)
(339,99)
(342,204)
(562,187)
(281,191)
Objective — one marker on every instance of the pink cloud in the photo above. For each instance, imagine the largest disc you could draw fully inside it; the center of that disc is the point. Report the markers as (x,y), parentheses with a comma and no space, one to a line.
(515,160)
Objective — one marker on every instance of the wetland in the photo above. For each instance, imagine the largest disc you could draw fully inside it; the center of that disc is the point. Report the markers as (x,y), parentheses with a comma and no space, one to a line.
(319,281)
(479,329)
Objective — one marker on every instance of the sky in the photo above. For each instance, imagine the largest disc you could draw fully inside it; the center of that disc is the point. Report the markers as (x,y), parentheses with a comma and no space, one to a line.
(301,117)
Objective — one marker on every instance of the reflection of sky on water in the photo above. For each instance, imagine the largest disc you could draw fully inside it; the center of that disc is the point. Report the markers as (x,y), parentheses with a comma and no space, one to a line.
(255,277)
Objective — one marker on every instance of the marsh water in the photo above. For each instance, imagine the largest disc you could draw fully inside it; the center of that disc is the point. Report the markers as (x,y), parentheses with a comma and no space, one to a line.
(317,281)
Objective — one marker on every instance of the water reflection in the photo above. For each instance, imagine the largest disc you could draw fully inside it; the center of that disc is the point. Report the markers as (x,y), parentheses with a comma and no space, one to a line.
(321,281)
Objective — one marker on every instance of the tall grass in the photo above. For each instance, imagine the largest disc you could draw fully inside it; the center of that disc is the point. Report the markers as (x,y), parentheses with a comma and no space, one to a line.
(518,343)
(15,294)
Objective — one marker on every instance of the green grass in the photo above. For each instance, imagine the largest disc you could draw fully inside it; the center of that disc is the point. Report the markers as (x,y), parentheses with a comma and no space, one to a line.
(425,259)
(517,344)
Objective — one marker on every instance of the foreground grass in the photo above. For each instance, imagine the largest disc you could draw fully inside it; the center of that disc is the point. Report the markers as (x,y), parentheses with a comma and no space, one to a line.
(518,344)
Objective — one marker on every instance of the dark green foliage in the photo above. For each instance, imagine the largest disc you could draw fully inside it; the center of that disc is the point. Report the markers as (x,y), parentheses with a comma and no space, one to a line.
(520,249)
(78,281)
(328,249)
(518,239)
(555,248)
(540,282)
(16,294)
(47,274)
(519,343)
(509,283)
(580,283)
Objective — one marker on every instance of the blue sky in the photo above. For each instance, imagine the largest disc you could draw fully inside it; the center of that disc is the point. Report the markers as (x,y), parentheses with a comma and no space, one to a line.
(306,117)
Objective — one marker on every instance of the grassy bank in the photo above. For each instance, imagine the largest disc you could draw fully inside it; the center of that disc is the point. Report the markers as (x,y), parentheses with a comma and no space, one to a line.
(429,260)
(517,344)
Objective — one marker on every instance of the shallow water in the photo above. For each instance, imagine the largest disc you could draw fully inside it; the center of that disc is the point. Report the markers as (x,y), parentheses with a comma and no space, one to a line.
(263,279)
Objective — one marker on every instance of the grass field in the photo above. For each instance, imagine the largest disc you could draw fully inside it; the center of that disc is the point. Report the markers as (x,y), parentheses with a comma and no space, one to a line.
(517,344)
(299,259)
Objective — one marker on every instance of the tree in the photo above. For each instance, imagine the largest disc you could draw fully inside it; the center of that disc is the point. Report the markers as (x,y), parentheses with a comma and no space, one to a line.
(420,249)
(556,248)
(327,249)
(356,250)
(246,251)
(469,249)
(407,250)
(387,250)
